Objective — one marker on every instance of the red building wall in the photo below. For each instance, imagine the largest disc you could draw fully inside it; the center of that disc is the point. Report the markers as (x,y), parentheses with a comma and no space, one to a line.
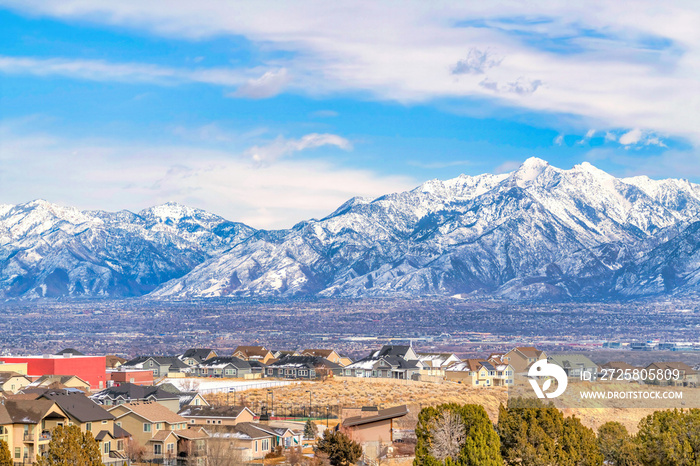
(91,369)
(139,377)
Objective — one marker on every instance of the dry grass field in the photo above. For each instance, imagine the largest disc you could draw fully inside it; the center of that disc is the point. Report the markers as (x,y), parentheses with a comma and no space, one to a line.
(349,392)
(370,392)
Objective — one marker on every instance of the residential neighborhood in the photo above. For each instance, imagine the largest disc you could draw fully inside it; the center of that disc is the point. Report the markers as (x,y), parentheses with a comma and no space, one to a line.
(192,408)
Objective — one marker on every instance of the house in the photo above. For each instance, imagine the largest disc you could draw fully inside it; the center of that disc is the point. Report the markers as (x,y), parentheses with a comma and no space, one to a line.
(303,367)
(328,354)
(26,426)
(279,354)
(392,367)
(436,363)
(161,366)
(130,393)
(93,418)
(91,369)
(253,353)
(216,415)
(61,381)
(223,367)
(575,365)
(12,382)
(522,357)
(113,362)
(371,425)
(70,352)
(619,367)
(674,373)
(165,435)
(187,397)
(194,356)
(254,440)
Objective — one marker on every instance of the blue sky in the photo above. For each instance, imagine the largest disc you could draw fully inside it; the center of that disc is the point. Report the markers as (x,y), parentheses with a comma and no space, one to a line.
(273,113)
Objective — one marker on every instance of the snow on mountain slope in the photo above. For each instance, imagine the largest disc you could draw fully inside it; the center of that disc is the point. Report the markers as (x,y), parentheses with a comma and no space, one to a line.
(538,231)
(51,251)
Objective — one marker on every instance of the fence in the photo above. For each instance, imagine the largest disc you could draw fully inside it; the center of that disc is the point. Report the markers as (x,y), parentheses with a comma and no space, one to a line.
(239,387)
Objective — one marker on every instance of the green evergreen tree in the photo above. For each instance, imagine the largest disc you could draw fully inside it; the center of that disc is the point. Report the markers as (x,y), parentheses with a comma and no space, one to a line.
(453,434)
(71,447)
(5,455)
(310,429)
(535,434)
(617,446)
(670,437)
(340,449)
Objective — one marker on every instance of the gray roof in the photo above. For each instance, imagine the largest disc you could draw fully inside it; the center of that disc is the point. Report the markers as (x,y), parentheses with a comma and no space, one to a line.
(212,411)
(309,361)
(172,361)
(78,406)
(132,392)
(235,362)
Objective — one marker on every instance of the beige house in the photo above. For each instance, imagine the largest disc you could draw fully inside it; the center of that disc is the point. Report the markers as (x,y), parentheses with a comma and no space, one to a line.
(253,353)
(164,434)
(687,376)
(253,440)
(12,382)
(61,381)
(480,373)
(522,357)
(207,416)
(26,426)
(435,364)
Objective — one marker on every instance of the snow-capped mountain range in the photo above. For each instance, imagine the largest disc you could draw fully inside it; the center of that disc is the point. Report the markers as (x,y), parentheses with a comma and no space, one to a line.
(538,232)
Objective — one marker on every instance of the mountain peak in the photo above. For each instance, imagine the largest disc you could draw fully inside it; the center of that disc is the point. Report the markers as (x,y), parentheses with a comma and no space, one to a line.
(530,170)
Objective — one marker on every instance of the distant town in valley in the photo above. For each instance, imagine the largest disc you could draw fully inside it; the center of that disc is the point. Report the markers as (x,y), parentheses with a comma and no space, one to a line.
(466,327)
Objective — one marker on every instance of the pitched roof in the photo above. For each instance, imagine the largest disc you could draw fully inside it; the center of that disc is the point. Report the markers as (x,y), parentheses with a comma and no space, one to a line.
(382,415)
(46,380)
(213,411)
(191,434)
(223,361)
(324,353)
(119,432)
(70,351)
(78,405)
(5,376)
(252,430)
(152,411)
(172,361)
(28,411)
(199,354)
(529,351)
(252,351)
(391,350)
(307,361)
(112,360)
(681,366)
(130,391)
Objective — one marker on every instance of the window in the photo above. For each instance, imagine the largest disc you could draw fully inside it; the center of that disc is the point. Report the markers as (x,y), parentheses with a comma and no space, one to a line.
(170,448)
(107,447)
(104,422)
(265,444)
(119,423)
(159,426)
(18,453)
(120,445)
(146,427)
(88,426)
(131,380)
(157,449)
(155,372)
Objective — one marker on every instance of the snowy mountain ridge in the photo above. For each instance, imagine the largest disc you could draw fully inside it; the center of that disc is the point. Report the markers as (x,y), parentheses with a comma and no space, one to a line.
(539,232)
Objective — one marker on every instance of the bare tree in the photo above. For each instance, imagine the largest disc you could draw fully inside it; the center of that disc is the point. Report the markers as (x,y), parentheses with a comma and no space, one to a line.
(221,450)
(134,450)
(448,435)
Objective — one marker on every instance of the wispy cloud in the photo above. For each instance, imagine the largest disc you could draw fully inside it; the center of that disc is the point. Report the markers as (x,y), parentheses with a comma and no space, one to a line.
(268,85)
(638,137)
(281,147)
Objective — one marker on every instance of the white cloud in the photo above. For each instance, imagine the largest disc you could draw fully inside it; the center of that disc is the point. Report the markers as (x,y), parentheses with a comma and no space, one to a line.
(630,82)
(559,140)
(281,147)
(631,137)
(113,176)
(268,85)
